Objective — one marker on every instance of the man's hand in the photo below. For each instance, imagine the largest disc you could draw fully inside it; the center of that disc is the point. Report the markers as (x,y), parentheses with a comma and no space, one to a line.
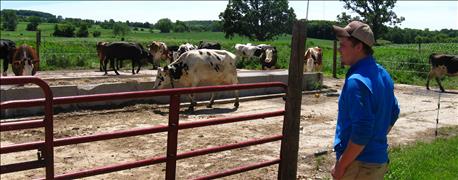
(337,171)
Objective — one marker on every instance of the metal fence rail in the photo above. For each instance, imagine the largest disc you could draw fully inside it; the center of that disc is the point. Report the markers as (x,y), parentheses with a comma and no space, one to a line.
(172,130)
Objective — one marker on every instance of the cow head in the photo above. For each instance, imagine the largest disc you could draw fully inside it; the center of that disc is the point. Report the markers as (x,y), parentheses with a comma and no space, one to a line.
(25,61)
(159,50)
(163,78)
(271,54)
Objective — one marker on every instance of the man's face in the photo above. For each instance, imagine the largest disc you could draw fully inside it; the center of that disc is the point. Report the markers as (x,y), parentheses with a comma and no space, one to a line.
(347,51)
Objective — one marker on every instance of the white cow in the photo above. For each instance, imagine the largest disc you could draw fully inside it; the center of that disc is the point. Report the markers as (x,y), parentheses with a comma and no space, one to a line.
(211,67)
(248,50)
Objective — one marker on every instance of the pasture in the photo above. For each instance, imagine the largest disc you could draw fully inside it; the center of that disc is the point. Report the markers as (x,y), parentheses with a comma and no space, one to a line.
(405,62)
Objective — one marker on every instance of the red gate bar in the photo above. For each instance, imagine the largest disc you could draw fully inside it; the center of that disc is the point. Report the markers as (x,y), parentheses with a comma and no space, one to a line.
(19,125)
(22,166)
(84,139)
(111,168)
(240,169)
(217,121)
(228,147)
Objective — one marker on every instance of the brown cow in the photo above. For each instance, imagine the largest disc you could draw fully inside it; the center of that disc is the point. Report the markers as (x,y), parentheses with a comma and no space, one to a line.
(159,51)
(25,61)
(313,59)
(100,45)
(442,65)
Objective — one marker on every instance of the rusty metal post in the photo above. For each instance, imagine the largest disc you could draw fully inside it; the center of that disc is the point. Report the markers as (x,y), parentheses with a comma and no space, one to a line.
(290,141)
(172,137)
(334,60)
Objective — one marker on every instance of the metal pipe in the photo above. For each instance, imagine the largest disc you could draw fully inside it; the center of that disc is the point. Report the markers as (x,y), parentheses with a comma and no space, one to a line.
(239,170)
(19,125)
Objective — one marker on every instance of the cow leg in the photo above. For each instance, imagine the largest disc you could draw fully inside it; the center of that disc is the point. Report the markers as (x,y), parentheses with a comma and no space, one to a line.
(192,104)
(5,66)
(105,63)
(139,66)
(440,85)
(236,93)
(212,100)
(115,63)
(429,78)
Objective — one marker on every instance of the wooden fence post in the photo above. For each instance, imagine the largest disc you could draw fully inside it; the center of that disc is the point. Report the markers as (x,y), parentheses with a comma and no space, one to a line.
(38,43)
(290,142)
(334,60)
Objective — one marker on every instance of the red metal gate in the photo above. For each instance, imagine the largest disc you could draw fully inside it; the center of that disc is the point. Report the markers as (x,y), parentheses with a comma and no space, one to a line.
(46,148)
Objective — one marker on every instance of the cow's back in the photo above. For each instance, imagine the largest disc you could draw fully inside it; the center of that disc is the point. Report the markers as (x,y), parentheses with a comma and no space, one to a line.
(123,50)
(449,61)
(208,66)
(7,47)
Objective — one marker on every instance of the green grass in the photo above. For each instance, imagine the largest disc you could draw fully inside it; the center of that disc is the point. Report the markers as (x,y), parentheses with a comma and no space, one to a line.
(436,160)
(404,62)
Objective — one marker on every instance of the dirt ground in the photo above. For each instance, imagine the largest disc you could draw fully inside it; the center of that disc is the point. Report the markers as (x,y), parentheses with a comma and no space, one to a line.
(318,118)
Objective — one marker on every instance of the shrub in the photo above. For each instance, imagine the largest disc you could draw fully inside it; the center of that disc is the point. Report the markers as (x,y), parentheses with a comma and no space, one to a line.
(96,33)
(64,30)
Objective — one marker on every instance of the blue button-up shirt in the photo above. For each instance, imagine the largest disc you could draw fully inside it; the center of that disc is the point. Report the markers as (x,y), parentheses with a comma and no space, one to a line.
(367,108)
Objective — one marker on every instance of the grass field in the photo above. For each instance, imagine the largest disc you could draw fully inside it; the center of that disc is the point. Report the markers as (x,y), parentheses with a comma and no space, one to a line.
(436,160)
(404,62)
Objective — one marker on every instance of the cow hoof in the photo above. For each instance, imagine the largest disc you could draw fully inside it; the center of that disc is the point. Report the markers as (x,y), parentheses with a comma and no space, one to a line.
(191,109)
(4,74)
(236,104)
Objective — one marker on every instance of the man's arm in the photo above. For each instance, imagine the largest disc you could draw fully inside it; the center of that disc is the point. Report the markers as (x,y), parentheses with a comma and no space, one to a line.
(351,152)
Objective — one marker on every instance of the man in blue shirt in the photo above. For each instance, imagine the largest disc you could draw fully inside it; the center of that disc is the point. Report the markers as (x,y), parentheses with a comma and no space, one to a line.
(367,108)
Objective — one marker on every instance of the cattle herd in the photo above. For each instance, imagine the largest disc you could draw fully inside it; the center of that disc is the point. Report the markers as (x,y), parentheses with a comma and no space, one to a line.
(189,64)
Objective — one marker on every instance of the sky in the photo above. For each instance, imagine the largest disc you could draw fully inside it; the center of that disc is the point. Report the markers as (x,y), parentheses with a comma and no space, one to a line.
(434,15)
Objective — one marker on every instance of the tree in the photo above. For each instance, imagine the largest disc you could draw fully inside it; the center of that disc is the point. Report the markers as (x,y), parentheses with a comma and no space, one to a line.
(120,29)
(257,19)
(164,25)
(9,20)
(180,26)
(82,31)
(375,13)
(33,23)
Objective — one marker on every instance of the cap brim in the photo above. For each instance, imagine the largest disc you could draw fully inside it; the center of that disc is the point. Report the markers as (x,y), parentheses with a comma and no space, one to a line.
(340,32)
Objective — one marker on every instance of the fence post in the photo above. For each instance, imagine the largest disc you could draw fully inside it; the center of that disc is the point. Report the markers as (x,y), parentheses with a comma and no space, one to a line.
(419,47)
(290,141)
(172,137)
(38,43)
(334,60)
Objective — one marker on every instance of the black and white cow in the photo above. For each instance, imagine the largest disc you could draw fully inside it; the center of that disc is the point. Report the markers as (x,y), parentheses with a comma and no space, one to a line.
(182,49)
(441,65)
(204,66)
(247,50)
(268,56)
(209,45)
(118,51)
(7,49)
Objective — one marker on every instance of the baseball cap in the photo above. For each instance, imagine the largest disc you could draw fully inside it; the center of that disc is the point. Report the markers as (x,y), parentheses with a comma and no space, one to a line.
(357,30)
